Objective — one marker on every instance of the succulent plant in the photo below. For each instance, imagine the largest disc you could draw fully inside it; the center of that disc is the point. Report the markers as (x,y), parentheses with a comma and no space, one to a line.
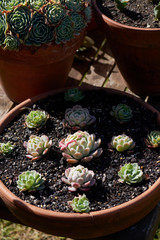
(130,173)
(37,146)
(121,4)
(79,177)
(80,204)
(77,117)
(121,112)
(80,146)
(153,139)
(73,95)
(122,143)
(36,119)
(30,181)
(37,22)
(6,148)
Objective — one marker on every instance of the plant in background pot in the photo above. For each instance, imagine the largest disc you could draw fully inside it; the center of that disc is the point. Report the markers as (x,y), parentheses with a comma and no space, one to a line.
(38,41)
(133,34)
(121,183)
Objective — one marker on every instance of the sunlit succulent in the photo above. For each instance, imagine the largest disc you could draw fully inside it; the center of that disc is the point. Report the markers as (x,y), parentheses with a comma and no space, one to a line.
(153,139)
(36,119)
(39,22)
(6,148)
(73,95)
(80,204)
(30,181)
(80,146)
(79,177)
(122,113)
(77,117)
(37,146)
(130,173)
(122,143)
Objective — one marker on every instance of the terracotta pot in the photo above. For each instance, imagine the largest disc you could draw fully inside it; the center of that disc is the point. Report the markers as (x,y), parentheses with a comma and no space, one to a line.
(76,225)
(136,51)
(25,74)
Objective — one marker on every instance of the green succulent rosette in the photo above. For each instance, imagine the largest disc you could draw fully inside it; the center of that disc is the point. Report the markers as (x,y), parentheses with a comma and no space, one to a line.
(36,4)
(78,22)
(54,13)
(40,32)
(9,5)
(64,32)
(88,14)
(11,43)
(74,5)
(3,27)
(19,21)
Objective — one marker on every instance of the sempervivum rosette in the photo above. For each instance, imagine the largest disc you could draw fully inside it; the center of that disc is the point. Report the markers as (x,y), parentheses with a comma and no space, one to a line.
(40,32)
(3,27)
(54,13)
(36,4)
(11,43)
(74,5)
(19,21)
(80,146)
(8,5)
(78,22)
(64,32)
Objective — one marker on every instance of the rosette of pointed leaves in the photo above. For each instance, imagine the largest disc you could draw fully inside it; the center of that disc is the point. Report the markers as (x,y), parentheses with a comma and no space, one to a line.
(78,117)
(88,14)
(130,173)
(6,148)
(80,204)
(74,5)
(3,27)
(19,21)
(36,119)
(64,31)
(36,4)
(79,177)
(37,146)
(153,139)
(30,181)
(11,43)
(121,112)
(54,13)
(78,22)
(40,32)
(80,146)
(8,5)
(122,143)
(73,95)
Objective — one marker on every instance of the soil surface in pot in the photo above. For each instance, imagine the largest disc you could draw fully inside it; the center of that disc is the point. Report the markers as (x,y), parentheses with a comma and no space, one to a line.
(137,13)
(108,191)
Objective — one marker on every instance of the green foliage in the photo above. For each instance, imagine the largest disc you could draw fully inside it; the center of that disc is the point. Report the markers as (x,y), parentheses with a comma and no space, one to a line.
(157,12)
(30,181)
(130,173)
(73,95)
(11,43)
(153,139)
(121,112)
(36,119)
(121,4)
(122,143)
(6,148)
(80,204)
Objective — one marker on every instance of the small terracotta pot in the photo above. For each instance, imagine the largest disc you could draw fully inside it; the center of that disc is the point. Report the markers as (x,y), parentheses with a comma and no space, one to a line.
(136,51)
(25,74)
(76,225)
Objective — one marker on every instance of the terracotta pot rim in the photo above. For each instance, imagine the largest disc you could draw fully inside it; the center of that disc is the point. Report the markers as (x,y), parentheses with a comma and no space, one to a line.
(120,25)
(51,213)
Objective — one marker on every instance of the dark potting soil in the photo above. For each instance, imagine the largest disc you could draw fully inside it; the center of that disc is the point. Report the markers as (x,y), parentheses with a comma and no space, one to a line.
(108,191)
(137,13)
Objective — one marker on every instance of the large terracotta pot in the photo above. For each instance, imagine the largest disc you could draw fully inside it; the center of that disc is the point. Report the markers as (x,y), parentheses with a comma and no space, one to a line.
(25,73)
(76,225)
(136,51)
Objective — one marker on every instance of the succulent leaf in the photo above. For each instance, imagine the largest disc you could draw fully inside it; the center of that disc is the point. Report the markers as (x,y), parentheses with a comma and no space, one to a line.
(55,13)
(121,4)
(130,173)
(121,112)
(30,181)
(73,95)
(80,204)
(122,143)
(11,43)
(6,148)
(36,119)
(74,5)
(3,27)
(153,139)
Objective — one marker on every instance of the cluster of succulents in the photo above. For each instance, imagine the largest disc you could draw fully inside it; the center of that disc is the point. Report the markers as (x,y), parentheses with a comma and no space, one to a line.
(73,95)
(80,146)
(6,148)
(153,139)
(80,204)
(37,22)
(131,173)
(78,118)
(37,146)
(79,177)
(36,119)
(122,143)
(122,113)
(30,181)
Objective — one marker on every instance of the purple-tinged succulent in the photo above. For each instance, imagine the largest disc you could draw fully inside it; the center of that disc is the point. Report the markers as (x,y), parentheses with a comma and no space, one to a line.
(122,143)
(80,204)
(80,146)
(121,112)
(37,146)
(79,177)
(77,118)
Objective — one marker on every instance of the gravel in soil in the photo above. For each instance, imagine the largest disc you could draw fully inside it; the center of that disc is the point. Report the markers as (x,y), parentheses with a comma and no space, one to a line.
(108,191)
(137,13)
